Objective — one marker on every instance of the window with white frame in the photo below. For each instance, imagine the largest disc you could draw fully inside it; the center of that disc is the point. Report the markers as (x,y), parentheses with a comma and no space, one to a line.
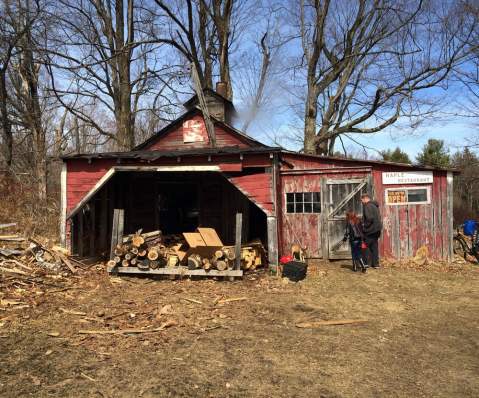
(303,202)
(408,196)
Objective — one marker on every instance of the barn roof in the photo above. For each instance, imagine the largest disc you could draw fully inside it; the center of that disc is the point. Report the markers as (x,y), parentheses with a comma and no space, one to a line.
(192,112)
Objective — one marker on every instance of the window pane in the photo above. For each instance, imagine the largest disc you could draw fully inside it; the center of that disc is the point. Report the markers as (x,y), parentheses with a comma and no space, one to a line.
(308,208)
(290,198)
(298,197)
(417,195)
(307,197)
(316,207)
(290,208)
(298,208)
(317,197)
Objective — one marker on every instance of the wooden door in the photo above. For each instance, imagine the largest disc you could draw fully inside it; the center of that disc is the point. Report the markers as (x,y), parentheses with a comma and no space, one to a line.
(339,197)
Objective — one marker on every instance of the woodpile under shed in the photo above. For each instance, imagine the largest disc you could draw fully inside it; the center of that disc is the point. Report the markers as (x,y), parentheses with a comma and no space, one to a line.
(193,250)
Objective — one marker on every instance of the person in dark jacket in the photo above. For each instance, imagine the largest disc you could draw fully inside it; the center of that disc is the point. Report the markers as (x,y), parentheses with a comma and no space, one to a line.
(372,226)
(354,233)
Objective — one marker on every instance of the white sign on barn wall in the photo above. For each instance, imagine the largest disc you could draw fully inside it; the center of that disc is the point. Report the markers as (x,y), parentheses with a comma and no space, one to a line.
(407,177)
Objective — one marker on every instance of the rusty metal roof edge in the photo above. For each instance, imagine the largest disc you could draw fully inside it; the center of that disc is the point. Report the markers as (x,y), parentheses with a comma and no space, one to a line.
(152,155)
(373,162)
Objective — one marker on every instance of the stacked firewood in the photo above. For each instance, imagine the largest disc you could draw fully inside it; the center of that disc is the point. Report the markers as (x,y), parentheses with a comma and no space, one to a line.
(150,251)
(222,259)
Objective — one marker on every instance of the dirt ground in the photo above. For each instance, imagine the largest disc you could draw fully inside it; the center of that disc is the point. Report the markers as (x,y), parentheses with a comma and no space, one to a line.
(421,338)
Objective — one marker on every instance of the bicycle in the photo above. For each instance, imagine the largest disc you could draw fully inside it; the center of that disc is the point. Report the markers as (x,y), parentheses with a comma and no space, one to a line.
(462,247)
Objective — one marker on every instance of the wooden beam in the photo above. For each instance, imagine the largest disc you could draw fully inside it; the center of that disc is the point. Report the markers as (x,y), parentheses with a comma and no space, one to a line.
(239,226)
(272,229)
(63,205)
(92,229)
(331,170)
(81,242)
(116,230)
(103,238)
(450,215)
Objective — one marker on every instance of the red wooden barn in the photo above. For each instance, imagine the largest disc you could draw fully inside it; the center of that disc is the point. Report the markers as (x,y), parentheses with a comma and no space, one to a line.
(176,181)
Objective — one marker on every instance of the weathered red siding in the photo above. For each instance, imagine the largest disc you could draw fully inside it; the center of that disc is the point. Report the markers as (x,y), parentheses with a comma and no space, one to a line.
(406,227)
(173,140)
(257,187)
(82,177)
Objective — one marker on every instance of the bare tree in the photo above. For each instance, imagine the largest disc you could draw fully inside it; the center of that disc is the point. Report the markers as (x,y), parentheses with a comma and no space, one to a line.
(11,32)
(103,59)
(367,62)
(203,32)
(467,73)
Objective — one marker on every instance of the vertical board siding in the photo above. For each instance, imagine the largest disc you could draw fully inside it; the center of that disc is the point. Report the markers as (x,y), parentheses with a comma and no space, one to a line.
(408,227)
(82,177)
(257,188)
(173,140)
(305,229)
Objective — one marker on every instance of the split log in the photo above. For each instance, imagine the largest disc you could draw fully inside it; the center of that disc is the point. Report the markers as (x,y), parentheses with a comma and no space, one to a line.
(221,265)
(119,251)
(219,254)
(137,241)
(153,254)
(206,264)
(144,265)
(173,260)
(142,253)
(229,253)
(111,263)
(194,261)
(134,250)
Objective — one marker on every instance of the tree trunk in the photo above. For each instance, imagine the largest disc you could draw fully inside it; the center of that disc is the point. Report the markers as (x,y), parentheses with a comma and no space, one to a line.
(310,115)
(6,125)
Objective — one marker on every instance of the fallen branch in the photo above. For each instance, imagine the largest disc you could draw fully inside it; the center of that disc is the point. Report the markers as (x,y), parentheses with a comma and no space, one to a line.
(13,271)
(316,324)
(230,300)
(165,325)
(12,224)
(192,300)
(72,312)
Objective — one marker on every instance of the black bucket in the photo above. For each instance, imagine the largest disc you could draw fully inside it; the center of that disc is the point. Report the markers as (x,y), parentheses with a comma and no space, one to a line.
(295,270)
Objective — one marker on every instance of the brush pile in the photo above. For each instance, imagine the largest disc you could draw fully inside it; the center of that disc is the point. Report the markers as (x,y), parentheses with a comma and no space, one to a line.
(25,256)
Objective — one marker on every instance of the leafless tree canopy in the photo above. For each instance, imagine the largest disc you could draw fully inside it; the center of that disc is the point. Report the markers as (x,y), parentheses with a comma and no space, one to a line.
(368,63)
(91,75)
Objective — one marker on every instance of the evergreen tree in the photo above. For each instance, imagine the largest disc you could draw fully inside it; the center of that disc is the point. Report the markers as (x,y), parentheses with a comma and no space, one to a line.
(396,156)
(435,154)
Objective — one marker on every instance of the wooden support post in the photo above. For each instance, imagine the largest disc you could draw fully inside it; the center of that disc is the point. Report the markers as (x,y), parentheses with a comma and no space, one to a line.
(272,227)
(81,236)
(239,226)
(92,228)
(116,230)
(63,205)
(103,239)
(450,217)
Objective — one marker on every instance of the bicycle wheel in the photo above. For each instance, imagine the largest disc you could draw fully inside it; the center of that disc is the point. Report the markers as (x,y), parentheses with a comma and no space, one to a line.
(459,247)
